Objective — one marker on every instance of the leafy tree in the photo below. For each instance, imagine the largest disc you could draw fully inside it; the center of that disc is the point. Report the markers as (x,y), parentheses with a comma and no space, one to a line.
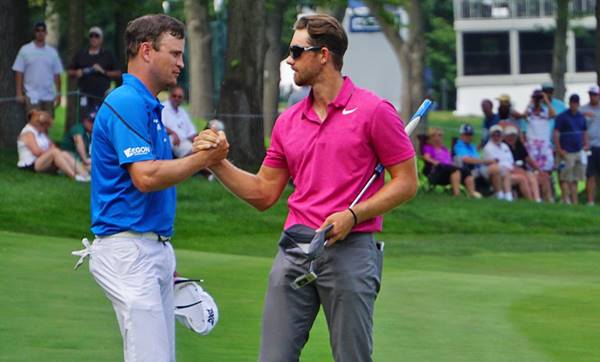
(14,20)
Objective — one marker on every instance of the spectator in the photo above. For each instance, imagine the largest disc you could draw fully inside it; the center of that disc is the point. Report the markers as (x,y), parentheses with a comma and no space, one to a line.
(439,168)
(592,113)
(466,155)
(180,128)
(539,181)
(77,140)
(37,152)
(94,67)
(507,115)
(499,151)
(558,105)
(539,130)
(37,73)
(571,138)
(489,119)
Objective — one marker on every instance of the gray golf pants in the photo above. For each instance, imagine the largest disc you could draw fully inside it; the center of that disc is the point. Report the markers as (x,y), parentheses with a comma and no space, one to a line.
(349,277)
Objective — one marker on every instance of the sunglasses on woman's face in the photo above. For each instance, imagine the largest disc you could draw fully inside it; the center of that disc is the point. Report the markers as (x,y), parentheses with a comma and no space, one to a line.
(296,50)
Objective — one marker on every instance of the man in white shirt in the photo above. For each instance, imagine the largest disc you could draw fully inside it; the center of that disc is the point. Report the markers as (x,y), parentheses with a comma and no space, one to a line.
(37,73)
(180,128)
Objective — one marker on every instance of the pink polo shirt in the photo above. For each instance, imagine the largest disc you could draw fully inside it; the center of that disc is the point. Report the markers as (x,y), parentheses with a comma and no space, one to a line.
(330,161)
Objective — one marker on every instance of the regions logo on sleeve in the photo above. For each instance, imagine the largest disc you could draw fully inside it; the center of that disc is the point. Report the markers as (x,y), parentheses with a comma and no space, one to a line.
(136,151)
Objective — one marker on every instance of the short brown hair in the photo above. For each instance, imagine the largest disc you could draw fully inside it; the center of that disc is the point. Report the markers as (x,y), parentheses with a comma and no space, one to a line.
(326,31)
(151,28)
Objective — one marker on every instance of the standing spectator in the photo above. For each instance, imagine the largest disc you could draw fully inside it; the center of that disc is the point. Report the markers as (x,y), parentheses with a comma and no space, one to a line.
(37,152)
(571,138)
(489,119)
(499,151)
(37,73)
(558,105)
(539,130)
(77,140)
(507,115)
(539,181)
(467,156)
(439,168)
(180,128)
(591,112)
(94,67)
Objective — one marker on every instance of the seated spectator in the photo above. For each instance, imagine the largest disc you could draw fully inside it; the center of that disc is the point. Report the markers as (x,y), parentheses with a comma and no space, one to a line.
(77,140)
(525,164)
(439,168)
(466,155)
(499,151)
(571,139)
(180,128)
(37,152)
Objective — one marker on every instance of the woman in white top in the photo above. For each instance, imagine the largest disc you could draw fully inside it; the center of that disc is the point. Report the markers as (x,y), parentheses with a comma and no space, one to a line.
(38,153)
(539,130)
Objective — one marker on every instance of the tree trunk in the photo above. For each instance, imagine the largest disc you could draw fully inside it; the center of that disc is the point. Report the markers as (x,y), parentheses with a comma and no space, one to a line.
(417,62)
(241,94)
(75,41)
(122,15)
(597,41)
(273,57)
(559,53)
(402,51)
(337,9)
(200,60)
(13,17)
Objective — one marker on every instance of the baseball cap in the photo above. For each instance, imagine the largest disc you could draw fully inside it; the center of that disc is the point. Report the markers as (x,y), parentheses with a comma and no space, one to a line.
(496,128)
(547,85)
(466,129)
(574,98)
(594,89)
(537,93)
(510,130)
(39,24)
(96,30)
(504,98)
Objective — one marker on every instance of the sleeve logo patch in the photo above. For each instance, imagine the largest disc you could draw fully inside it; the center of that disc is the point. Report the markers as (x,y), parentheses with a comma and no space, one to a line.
(136,151)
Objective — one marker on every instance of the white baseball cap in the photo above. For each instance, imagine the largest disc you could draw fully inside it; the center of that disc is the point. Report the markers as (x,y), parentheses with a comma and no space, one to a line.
(496,128)
(96,30)
(510,130)
(194,307)
(594,89)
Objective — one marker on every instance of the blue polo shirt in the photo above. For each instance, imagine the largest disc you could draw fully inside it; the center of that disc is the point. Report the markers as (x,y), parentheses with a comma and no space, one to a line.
(571,128)
(117,205)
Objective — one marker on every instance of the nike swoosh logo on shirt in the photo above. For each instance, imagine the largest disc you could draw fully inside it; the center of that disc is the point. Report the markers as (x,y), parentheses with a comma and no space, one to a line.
(346,112)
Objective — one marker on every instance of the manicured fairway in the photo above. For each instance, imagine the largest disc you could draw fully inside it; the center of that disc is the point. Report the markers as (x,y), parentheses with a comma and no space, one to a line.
(438,306)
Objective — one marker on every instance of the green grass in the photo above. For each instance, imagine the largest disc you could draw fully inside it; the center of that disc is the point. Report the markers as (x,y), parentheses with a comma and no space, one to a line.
(464,280)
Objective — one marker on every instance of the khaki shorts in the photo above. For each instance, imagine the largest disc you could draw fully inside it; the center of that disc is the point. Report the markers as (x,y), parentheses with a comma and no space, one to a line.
(574,169)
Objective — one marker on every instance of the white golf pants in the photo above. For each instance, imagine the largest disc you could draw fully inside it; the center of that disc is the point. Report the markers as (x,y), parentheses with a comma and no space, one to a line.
(136,274)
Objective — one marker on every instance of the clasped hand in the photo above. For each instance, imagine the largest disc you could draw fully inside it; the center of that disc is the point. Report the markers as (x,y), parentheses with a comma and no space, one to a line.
(212,140)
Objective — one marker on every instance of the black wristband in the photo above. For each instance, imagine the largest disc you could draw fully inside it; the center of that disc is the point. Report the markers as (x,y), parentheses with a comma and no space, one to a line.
(354,216)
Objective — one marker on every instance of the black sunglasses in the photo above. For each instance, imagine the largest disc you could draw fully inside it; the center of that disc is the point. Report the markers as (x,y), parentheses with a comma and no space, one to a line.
(94,35)
(296,50)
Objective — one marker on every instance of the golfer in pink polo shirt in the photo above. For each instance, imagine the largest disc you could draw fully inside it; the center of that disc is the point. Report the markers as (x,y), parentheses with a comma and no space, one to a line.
(328,144)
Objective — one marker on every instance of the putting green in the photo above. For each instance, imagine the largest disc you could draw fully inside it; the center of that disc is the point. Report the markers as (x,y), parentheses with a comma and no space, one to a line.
(481,307)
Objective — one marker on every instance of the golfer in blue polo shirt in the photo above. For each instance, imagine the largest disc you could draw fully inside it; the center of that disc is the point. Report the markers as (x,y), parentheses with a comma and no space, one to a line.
(133,194)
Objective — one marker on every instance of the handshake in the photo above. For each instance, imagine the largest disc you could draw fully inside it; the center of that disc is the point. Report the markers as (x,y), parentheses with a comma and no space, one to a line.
(214,142)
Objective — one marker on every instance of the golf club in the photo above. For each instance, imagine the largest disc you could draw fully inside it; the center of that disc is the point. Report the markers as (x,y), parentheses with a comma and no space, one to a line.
(319,240)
